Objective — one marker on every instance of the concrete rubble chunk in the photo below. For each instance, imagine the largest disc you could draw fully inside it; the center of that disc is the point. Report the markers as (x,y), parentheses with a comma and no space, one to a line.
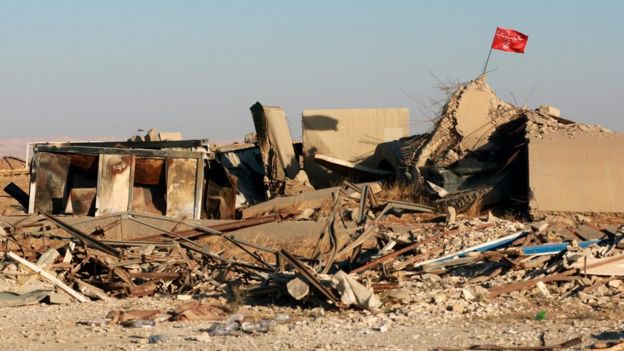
(298,289)
(549,110)
(469,117)
(451,215)
(354,293)
(275,141)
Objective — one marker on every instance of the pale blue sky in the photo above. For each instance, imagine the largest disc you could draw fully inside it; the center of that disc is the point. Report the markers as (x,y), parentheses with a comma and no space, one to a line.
(109,67)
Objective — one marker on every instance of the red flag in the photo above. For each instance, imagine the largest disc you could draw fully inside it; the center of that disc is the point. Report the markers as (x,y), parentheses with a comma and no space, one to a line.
(509,40)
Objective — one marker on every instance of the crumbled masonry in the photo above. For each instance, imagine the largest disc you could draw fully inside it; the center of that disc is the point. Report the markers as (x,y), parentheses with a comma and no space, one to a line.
(496,207)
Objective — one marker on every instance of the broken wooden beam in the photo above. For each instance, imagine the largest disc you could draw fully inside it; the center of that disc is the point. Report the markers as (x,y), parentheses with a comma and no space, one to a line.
(49,277)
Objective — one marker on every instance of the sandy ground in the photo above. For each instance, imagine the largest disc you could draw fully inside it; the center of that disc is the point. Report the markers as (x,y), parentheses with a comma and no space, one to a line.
(57,327)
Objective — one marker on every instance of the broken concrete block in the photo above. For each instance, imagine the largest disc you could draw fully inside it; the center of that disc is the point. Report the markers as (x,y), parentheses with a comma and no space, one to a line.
(59,298)
(539,227)
(163,136)
(276,145)
(439,299)
(468,120)
(589,233)
(549,110)
(354,293)
(300,184)
(297,288)
(559,182)
(467,295)
(152,135)
(451,215)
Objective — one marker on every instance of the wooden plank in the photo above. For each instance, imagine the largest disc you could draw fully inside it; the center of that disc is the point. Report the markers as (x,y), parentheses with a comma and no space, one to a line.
(49,277)
(528,284)
(148,171)
(606,266)
(113,184)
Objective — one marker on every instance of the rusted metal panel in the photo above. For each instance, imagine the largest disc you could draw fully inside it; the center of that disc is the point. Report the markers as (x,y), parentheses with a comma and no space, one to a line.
(149,171)
(49,182)
(148,192)
(81,201)
(181,187)
(113,184)
(150,199)
(84,162)
(221,187)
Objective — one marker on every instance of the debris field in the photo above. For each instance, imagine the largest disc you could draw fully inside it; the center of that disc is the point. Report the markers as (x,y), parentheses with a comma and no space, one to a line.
(500,229)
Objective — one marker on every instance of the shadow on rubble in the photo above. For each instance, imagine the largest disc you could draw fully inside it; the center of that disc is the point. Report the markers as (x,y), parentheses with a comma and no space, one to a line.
(609,335)
(492,177)
(238,296)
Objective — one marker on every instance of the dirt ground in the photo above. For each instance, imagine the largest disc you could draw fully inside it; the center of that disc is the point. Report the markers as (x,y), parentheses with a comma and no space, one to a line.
(58,327)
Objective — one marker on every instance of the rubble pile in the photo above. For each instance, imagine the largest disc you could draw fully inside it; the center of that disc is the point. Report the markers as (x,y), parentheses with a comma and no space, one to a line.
(485,256)
(485,152)
(259,223)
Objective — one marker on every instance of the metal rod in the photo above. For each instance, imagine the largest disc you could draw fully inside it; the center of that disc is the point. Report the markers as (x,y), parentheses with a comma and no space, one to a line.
(487,61)
(80,235)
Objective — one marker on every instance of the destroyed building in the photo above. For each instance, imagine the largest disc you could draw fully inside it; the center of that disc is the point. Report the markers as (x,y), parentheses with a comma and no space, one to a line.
(160,177)
(481,152)
(320,223)
(484,151)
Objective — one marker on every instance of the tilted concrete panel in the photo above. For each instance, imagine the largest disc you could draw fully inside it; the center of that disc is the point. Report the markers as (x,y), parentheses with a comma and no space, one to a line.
(576,172)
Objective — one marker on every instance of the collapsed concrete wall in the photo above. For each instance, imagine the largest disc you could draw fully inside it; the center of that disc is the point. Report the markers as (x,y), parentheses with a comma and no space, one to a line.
(276,144)
(351,135)
(471,115)
(483,151)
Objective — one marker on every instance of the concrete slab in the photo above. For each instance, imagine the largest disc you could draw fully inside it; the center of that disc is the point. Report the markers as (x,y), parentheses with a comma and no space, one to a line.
(351,135)
(576,172)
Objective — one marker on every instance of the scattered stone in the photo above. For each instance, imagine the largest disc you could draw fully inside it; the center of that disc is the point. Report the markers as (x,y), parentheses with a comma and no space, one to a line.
(467,295)
(456,307)
(430,277)
(582,219)
(157,338)
(451,215)
(439,299)
(539,227)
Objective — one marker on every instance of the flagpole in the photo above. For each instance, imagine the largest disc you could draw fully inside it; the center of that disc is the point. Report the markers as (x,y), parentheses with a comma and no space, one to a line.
(487,61)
